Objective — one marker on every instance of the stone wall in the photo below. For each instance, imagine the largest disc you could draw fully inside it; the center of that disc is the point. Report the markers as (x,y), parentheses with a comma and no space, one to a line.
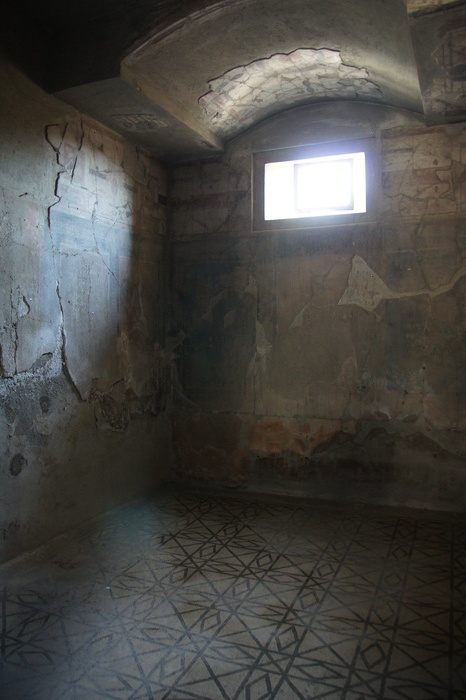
(326,362)
(83,259)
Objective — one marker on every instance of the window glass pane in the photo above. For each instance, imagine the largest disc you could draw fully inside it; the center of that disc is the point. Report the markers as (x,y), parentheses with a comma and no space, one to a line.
(324,185)
(321,186)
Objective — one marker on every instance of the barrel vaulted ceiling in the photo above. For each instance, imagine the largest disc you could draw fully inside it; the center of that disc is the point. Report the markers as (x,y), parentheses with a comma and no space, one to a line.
(181,77)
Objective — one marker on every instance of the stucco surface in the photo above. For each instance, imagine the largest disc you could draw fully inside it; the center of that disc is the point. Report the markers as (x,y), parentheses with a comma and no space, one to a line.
(181,76)
(82,317)
(326,361)
(144,317)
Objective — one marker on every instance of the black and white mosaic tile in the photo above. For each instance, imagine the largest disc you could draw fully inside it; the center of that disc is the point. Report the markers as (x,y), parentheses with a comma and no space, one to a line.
(207,596)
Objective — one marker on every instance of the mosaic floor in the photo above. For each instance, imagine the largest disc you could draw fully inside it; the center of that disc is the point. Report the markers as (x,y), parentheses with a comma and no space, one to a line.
(201,596)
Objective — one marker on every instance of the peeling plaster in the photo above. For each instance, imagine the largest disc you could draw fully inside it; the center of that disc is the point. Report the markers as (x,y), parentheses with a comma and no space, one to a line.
(55,135)
(79,228)
(263,345)
(27,310)
(95,190)
(394,372)
(245,94)
(299,318)
(58,137)
(213,302)
(366,289)
(251,287)
(426,6)
(65,367)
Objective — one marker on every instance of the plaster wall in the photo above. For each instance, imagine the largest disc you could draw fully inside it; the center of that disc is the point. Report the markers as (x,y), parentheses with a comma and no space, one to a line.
(326,362)
(83,380)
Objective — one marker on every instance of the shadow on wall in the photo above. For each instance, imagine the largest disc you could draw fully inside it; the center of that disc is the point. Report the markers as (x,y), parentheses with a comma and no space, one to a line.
(326,362)
(83,375)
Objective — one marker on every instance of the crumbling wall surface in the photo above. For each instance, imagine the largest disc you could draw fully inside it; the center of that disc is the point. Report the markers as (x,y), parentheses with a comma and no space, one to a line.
(418,6)
(82,317)
(328,362)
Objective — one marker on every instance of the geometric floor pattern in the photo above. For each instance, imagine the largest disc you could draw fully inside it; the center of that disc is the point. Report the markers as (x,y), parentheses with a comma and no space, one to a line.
(197,595)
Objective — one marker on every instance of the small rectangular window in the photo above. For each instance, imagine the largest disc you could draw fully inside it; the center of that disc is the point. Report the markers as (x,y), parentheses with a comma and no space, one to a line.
(302,187)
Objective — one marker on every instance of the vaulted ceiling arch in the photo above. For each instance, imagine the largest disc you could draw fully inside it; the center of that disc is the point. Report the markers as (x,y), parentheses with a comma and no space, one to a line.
(182,77)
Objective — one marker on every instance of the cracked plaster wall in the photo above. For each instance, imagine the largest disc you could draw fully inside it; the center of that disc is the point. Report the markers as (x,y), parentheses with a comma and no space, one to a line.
(326,362)
(83,376)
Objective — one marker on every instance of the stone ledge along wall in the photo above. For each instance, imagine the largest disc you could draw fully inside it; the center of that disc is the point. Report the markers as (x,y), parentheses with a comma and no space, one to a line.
(83,375)
(326,362)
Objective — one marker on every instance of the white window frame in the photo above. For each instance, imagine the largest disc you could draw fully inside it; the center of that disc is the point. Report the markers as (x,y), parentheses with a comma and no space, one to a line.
(264,215)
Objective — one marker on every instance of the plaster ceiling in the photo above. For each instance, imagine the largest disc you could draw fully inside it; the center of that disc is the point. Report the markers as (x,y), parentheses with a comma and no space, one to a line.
(181,77)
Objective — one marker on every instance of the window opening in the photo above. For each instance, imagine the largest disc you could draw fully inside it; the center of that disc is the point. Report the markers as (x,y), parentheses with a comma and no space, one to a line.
(316,182)
(315,187)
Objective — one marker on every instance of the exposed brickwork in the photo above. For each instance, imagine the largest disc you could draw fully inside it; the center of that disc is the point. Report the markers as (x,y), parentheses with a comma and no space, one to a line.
(246,94)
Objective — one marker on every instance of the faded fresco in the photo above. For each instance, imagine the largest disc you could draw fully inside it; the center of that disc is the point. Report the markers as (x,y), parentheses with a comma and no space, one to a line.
(83,383)
(326,362)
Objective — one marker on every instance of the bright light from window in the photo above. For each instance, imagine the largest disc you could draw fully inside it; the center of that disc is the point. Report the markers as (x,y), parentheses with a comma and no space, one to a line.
(324,186)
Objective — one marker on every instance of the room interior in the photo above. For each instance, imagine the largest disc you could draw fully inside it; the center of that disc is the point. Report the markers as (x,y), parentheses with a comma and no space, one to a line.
(246,431)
